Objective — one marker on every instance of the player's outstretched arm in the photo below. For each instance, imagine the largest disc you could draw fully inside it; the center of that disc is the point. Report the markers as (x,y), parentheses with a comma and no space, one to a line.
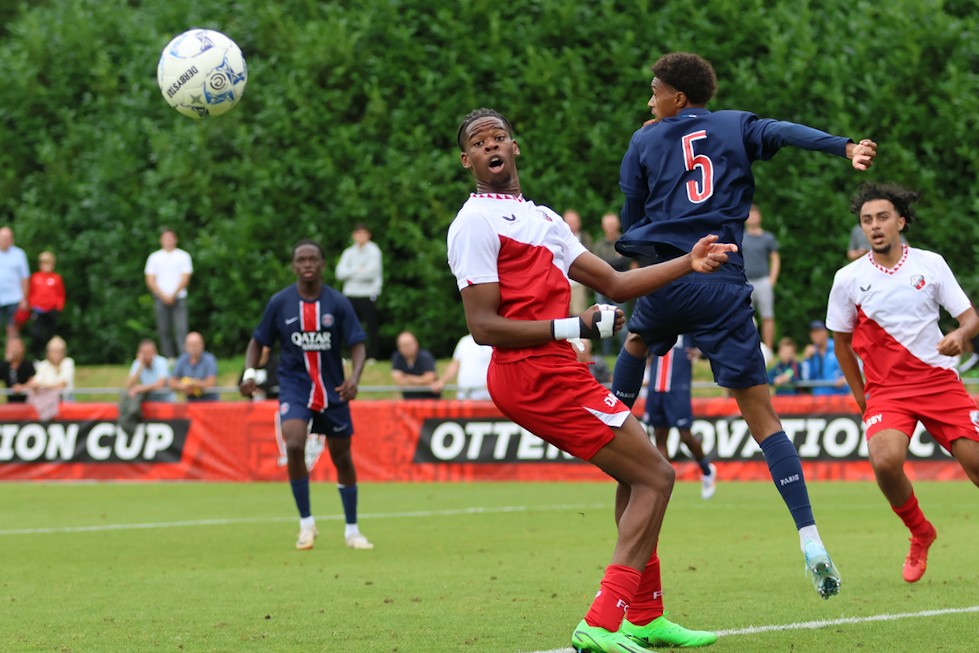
(706,256)
(861,154)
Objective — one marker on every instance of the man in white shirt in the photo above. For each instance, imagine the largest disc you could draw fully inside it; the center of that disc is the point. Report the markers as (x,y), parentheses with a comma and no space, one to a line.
(168,273)
(361,271)
(470,360)
(15,276)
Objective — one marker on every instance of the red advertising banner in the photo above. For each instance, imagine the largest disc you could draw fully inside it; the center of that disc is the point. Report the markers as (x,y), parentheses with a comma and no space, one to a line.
(421,440)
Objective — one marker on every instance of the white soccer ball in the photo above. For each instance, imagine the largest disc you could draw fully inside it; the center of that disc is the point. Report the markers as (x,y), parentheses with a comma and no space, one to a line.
(202,73)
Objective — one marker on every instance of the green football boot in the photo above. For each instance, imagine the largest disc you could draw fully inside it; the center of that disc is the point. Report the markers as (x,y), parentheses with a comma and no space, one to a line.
(663,632)
(825,576)
(592,639)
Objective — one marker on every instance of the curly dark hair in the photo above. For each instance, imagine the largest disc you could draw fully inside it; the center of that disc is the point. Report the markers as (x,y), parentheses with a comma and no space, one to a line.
(688,73)
(901,197)
(475,115)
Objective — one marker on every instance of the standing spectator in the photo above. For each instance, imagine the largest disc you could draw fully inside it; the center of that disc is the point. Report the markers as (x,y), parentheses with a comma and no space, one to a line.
(168,271)
(15,276)
(147,382)
(761,266)
(669,405)
(786,372)
(596,364)
(470,360)
(15,372)
(46,297)
(196,371)
(580,294)
(413,367)
(54,379)
(312,322)
(820,362)
(361,269)
(604,248)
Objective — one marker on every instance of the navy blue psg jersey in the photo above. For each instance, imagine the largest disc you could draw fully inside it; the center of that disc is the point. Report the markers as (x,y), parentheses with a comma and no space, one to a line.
(690,175)
(310,334)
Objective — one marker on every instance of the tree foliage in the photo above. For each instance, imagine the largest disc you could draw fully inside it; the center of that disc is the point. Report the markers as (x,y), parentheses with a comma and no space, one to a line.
(350,116)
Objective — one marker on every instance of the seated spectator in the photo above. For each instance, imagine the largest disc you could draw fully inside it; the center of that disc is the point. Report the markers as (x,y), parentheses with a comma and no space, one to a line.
(46,297)
(785,373)
(147,381)
(15,372)
(54,379)
(413,367)
(196,371)
(820,363)
(470,361)
(596,364)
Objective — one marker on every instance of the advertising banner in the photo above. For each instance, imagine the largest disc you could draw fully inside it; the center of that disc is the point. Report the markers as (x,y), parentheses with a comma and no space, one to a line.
(420,440)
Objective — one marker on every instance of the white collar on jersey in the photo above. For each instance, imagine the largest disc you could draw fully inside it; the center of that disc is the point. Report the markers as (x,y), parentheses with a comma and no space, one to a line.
(904,257)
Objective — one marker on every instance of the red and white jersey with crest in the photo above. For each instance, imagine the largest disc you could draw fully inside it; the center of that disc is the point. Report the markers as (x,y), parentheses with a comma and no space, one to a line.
(893,316)
(527,249)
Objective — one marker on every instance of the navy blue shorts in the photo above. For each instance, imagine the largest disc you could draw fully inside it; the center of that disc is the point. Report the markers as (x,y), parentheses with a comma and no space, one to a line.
(718,315)
(333,422)
(669,409)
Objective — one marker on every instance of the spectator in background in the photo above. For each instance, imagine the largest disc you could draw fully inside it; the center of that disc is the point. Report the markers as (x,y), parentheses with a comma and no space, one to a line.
(168,272)
(54,379)
(15,276)
(413,367)
(580,295)
(604,248)
(820,362)
(470,361)
(15,371)
(147,382)
(786,371)
(761,266)
(596,364)
(196,371)
(361,269)
(46,298)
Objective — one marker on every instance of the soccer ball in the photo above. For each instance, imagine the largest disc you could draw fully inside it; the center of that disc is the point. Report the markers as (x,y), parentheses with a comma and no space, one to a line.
(202,73)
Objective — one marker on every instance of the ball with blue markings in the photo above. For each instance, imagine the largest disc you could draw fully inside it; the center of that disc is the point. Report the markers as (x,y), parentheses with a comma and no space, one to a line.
(202,73)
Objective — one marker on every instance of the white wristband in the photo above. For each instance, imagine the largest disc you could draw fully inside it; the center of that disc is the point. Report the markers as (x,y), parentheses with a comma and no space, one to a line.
(566,328)
(249,374)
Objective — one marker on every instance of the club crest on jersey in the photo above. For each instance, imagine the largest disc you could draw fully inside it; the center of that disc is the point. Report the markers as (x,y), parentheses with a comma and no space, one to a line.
(917,282)
(327,320)
(545,216)
(284,408)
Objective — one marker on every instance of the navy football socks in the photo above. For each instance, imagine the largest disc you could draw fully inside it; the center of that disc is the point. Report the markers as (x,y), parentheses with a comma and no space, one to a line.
(348,497)
(786,470)
(300,491)
(627,377)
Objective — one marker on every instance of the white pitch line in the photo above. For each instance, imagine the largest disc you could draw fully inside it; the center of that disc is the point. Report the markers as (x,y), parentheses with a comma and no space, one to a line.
(813,625)
(265,520)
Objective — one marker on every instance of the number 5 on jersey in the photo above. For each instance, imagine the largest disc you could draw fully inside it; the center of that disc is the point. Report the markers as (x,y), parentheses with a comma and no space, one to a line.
(698,193)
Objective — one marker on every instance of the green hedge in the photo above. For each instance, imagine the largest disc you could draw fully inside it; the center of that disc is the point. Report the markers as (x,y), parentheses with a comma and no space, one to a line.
(350,115)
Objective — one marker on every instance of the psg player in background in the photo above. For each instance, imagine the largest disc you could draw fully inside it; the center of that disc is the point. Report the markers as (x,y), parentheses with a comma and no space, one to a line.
(883,308)
(685,174)
(311,322)
(513,262)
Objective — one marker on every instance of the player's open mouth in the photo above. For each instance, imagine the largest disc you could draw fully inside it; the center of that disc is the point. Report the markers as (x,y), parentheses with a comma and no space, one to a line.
(495,163)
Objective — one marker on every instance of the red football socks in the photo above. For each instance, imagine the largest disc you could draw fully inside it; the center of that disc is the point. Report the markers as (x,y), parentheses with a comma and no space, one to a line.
(619,585)
(648,602)
(912,517)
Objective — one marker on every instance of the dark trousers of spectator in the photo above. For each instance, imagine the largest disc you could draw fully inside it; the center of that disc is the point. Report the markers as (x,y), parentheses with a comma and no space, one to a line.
(44,326)
(171,326)
(366,309)
(131,411)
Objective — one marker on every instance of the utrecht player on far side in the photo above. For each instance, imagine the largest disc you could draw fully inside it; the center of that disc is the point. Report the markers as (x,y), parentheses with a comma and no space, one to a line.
(883,309)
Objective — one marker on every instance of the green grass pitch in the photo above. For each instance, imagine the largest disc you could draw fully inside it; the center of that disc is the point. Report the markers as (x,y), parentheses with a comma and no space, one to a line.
(507,568)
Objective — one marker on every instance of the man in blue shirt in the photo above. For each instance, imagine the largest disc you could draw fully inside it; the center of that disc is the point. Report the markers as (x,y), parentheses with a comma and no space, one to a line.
(686,173)
(820,363)
(311,322)
(196,371)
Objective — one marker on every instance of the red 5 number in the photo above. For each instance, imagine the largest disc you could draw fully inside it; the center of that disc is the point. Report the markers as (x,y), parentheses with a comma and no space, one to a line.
(698,193)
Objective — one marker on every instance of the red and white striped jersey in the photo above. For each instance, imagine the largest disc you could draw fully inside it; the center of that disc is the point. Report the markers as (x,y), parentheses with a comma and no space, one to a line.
(893,316)
(527,249)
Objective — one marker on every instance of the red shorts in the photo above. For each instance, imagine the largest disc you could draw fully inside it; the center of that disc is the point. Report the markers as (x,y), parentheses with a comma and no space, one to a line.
(557,399)
(947,412)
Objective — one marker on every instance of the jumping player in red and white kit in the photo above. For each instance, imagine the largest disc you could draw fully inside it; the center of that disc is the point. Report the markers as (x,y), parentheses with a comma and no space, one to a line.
(883,309)
(512,261)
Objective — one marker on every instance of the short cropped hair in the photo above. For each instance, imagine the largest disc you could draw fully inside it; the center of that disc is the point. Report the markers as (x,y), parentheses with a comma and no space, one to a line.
(308,241)
(475,115)
(689,73)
